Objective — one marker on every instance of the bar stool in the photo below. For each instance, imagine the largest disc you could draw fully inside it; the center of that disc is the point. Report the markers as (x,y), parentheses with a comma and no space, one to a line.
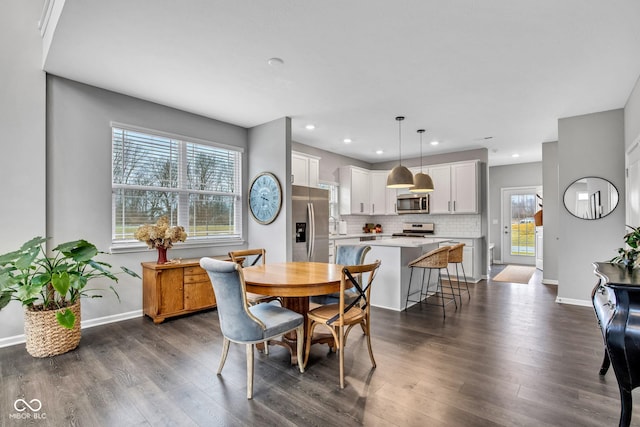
(436,259)
(455,257)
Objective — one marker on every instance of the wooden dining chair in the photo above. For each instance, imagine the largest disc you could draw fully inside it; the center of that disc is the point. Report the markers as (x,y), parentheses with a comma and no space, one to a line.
(248,324)
(337,317)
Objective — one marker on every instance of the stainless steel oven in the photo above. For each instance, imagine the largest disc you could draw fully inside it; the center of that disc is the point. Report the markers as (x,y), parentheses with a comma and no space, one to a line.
(413,229)
(412,203)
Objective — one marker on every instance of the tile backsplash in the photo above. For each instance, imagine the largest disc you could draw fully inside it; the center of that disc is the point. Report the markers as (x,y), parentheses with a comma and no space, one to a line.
(445,225)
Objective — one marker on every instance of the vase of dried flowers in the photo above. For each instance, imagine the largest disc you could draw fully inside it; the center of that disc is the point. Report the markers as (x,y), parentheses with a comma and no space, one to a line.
(161,236)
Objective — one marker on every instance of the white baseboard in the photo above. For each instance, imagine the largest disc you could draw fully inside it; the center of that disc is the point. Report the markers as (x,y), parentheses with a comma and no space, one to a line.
(571,301)
(549,282)
(9,341)
(455,279)
(85,324)
(110,319)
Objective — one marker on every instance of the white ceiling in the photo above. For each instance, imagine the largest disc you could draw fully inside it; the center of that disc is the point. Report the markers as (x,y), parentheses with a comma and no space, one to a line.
(465,70)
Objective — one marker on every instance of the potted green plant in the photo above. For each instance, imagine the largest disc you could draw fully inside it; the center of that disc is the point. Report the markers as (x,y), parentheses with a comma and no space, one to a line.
(50,287)
(628,256)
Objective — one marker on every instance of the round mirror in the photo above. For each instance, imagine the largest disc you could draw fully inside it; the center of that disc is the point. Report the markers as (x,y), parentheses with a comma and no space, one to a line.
(591,198)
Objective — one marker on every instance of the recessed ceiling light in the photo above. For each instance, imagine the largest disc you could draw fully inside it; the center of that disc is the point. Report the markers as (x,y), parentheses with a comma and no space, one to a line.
(434,143)
(347,140)
(310,127)
(275,62)
(379,152)
(515,155)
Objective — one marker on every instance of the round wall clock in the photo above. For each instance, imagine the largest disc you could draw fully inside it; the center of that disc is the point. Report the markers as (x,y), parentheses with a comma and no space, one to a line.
(265,198)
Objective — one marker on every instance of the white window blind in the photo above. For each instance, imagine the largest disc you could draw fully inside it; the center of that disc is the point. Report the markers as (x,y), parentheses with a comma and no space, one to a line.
(196,185)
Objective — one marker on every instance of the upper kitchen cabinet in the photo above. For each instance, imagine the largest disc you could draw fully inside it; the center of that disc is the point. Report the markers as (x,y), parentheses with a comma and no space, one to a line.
(354,191)
(383,199)
(455,188)
(305,169)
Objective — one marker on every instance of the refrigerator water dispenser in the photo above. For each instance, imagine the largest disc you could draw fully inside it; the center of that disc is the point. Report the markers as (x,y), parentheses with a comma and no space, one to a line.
(301,232)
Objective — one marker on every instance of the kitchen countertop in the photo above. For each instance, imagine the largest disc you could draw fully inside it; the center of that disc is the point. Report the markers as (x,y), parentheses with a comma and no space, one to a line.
(459,236)
(358,235)
(406,242)
(374,235)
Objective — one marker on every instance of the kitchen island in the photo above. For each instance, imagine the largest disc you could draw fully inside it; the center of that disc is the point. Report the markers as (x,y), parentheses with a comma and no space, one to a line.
(392,280)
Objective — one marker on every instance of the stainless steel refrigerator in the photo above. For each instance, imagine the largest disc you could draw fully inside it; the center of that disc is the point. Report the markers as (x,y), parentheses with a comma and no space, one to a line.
(311,224)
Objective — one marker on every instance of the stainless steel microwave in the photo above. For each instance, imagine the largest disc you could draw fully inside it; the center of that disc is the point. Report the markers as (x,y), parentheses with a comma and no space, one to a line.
(412,203)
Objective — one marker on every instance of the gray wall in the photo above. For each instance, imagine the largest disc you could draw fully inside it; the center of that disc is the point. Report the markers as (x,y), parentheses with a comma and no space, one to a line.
(551,204)
(508,176)
(270,151)
(589,145)
(22,120)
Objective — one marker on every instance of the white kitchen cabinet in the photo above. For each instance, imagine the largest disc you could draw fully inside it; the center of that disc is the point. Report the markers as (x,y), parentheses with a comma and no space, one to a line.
(354,191)
(383,199)
(464,187)
(305,169)
(440,197)
(455,188)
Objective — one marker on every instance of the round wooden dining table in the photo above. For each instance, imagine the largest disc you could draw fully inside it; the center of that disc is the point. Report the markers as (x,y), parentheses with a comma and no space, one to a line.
(295,282)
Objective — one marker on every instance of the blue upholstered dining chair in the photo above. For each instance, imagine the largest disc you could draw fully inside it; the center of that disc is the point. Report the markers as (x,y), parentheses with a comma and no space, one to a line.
(345,255)
(244,324)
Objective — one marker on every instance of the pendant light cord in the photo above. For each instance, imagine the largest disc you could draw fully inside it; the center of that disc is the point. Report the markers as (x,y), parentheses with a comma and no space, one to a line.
(400,119)
(400,142)
(421,131)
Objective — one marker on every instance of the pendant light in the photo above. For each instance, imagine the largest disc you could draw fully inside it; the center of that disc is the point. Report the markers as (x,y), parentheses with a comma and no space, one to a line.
(400,176)
(422,182)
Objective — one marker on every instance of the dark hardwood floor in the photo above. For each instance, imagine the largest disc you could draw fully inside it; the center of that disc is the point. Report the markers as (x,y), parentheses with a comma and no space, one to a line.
(509,357)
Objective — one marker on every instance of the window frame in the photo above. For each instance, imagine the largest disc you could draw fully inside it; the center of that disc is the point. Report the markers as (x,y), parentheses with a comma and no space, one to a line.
(133,245)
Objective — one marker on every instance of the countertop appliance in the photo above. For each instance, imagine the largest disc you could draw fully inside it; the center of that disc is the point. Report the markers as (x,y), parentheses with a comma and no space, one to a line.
(410,203)
(310,208)
(342,227)
(416,229)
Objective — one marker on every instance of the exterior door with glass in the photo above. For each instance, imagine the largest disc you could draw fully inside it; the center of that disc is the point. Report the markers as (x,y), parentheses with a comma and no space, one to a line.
(518,227)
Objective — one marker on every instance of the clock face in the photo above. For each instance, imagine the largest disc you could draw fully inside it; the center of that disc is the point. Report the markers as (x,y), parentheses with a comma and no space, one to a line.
(265,198)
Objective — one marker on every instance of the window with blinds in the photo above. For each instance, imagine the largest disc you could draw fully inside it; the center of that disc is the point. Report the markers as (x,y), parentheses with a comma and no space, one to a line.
(197,186)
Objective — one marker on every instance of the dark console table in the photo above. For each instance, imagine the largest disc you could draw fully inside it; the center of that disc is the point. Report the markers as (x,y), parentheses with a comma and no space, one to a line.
(616,300)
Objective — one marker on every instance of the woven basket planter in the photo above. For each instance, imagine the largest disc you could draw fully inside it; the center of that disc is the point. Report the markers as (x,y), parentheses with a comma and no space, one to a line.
(45,337)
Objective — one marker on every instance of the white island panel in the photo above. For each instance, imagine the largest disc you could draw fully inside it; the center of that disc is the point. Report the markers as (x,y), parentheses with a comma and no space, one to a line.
(392,280)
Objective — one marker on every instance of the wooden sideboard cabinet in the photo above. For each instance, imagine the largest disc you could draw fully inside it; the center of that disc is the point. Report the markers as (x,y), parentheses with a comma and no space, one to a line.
(170,290)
